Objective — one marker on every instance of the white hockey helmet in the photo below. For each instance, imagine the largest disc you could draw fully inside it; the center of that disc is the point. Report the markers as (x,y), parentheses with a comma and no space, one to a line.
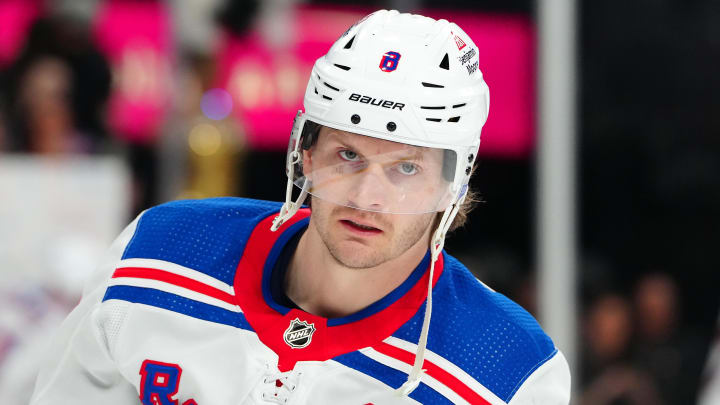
(401,78)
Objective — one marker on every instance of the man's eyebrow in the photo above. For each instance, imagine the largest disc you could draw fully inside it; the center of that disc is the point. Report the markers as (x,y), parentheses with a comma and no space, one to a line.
(413,154)
(335,136)
(407,153)
(344,143)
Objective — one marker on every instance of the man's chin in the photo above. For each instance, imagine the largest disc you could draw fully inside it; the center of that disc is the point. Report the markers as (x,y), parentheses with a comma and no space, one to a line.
(356,255)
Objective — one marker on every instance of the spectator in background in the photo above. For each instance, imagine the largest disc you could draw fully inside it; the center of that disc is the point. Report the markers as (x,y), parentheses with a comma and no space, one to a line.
(608,377)
(672,356)
(607,331)
(55,91)
(44,106)
(621,385)
(51,103)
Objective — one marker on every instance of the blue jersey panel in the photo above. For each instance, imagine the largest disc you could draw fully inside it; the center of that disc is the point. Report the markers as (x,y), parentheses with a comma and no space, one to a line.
(490,337)
(205,235)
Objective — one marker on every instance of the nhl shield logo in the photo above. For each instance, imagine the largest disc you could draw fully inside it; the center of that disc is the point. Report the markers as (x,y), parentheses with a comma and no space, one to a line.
(299,334)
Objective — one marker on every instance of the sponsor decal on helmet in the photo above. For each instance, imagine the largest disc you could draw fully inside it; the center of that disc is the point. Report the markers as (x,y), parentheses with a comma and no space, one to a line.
(299,334)
(458,41)
(468,56)
(465,58)
(379,103)
(389,61)
(472,68)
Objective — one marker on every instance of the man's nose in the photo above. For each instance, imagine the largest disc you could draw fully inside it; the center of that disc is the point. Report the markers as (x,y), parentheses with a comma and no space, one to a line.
(371,190)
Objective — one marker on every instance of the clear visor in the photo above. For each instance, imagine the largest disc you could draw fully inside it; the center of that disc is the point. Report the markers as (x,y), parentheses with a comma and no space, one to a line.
(372,174)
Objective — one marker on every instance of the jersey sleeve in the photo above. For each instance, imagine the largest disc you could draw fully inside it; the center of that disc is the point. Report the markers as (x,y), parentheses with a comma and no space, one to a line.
(548,384)
(78,366)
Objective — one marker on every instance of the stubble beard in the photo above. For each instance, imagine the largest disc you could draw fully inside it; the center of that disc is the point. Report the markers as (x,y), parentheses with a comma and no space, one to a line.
(356,255)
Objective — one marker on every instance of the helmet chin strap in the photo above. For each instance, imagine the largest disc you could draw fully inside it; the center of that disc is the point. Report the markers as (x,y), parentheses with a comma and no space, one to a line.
(289,208)
(436,246)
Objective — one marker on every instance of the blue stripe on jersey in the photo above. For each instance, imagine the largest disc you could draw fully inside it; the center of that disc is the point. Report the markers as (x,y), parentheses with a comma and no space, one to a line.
(176,303)
(390,377)
(205,235)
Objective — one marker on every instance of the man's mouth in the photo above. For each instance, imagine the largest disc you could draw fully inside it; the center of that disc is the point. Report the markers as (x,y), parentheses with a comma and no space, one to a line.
(359,227)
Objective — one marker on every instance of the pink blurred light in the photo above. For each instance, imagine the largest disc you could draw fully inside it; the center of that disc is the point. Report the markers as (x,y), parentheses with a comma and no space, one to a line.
(253,73)
(16,17)
(268,85)
(507,60)
(136,38)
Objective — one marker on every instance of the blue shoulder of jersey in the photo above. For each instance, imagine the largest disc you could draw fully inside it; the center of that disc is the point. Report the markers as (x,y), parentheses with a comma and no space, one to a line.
(205,235)
(483,332)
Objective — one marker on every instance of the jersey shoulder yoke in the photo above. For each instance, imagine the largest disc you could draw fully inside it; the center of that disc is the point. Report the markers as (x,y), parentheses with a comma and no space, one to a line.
(208,236)
(488,336)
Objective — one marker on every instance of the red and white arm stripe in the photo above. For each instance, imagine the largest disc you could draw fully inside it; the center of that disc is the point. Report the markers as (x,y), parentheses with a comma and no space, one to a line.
(175,279)
(441,370)
(405,367)
(179,270)
(446,365)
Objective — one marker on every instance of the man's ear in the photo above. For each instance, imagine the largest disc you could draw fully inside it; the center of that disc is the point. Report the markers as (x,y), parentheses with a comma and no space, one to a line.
(307,162)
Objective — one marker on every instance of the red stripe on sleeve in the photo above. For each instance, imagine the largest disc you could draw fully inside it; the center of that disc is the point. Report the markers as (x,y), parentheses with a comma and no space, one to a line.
(433,371)
(175,279)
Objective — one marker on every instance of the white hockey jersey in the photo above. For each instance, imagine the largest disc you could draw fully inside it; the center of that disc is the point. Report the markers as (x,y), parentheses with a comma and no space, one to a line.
(181,313)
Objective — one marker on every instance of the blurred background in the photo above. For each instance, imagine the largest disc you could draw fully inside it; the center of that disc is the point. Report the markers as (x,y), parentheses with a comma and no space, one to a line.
(108,107)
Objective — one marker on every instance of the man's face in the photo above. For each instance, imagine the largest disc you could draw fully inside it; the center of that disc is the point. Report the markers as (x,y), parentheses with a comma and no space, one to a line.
(349,172)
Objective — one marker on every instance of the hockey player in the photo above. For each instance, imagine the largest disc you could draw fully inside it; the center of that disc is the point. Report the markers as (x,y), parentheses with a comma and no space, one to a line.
(236,301)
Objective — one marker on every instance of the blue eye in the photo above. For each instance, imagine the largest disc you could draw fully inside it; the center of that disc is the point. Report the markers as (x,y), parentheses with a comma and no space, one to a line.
(407,168)
(348,155)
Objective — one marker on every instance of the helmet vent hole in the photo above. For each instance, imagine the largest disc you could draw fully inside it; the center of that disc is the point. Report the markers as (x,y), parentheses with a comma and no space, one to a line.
(343,67)
(445,64)
(316,92)
(438,86)
(433,119)
(454,119)
(329,86)
(327,98)
(427,107)
(459,105)
(349,43)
